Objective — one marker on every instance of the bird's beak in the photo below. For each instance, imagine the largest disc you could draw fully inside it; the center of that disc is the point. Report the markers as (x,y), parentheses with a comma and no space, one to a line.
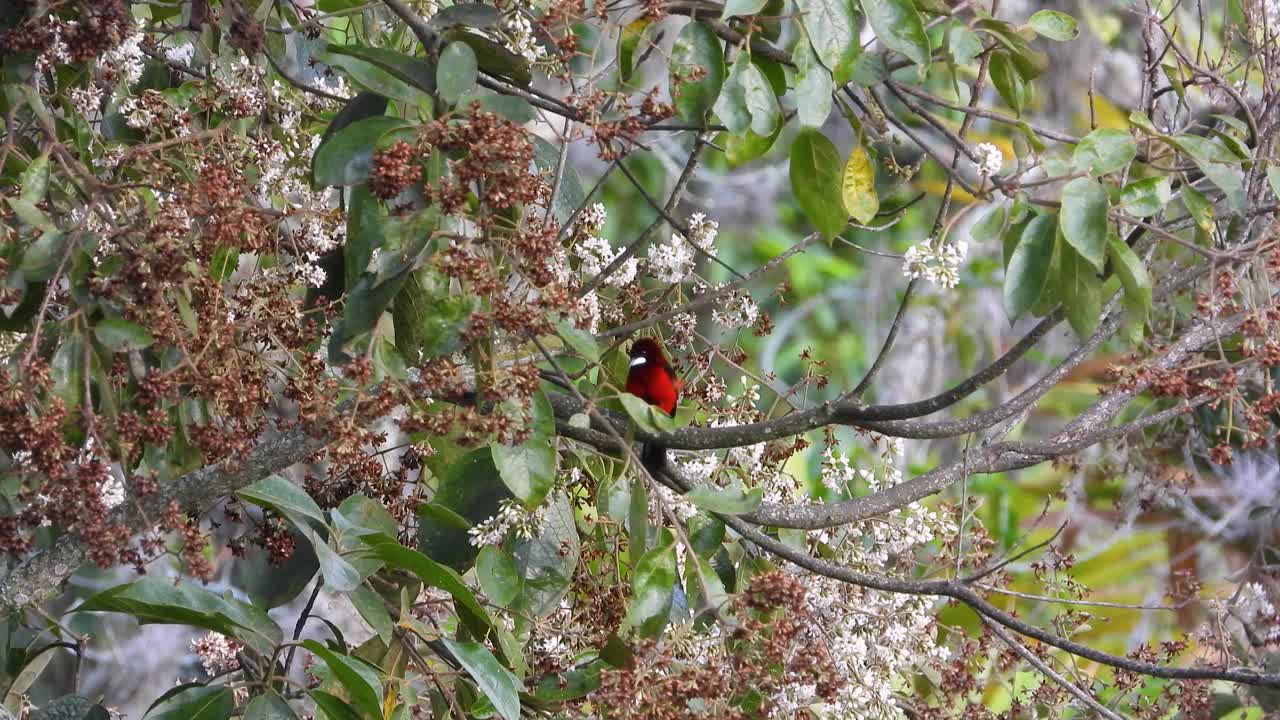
(637,361)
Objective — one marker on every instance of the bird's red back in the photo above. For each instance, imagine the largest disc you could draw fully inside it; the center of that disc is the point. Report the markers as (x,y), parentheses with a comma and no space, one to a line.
(651,377)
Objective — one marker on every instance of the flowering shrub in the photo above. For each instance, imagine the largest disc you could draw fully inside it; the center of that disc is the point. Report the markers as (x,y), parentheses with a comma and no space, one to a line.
(319,284)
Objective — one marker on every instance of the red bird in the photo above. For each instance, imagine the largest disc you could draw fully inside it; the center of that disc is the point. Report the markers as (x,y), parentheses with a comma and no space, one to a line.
(653,379)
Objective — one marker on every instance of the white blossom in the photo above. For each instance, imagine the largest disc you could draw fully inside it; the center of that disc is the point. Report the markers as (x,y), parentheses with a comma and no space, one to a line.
(217,652)
(738,310)
(591,221)
(672,261)
(595,254)
(989,159)
(519,37)
(512,518)
(937,264)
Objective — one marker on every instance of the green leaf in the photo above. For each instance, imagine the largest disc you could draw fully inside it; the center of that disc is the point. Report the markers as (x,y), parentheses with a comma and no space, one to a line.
(1015,91)
(498,575)
(628,43)
(858,186)
(732,500)
(731,104)
(346,157)
(496,682)
(120,335)
(28,213)
(158,600)
(1079,291)
(1084,219)
(581,341)
(1054,25)
(1104,150)
(696,47)
(1198,207)
(468,492)
(548,561)
(830,25)
(813,87)
(433,574)
(647,416)
(817,181)
(742,7)
(1217,162)
(70,707)
(40,258)
(412,70)
(34,181)
(899,27)
(332,707)
(1133,277)
(761,102)
(1273,178)
(373,79)
(457,72)
(286,498)
(371,294)
(1028,270)
(470,15)
(742,149)
(652,585)
(370,605)
(963,45)
(194,702)
(358,678)
(269,706)
(1144,198)
(528,470)
(224,262)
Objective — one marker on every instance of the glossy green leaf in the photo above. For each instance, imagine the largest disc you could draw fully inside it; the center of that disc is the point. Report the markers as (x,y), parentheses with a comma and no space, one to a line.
(1104,150)
(528,469)
(547,562)
(630,48)
(1028,268)
(652,584)
(858,186)
(41,257)
(332,707)
(412,70)
(742,149)
(269,706)
(468,492)
(1083,219)
(1218,163)
(831,27)
(27,212)
(741,7)
(899,26)
(1144,198)
(817,181)
(286,498)
(733,499)
(697,51)
(194,702)
(1273,178)
(1198,207)
(731,105)
(1079,290)
(647,416)
(498,575)
(580,341)
(457,72)
(963,45)
(346,157)
(496,682)
(1015,91)
(761,101)
(1133,276)
(360,680)
(371,607)
(70,707)
(1054,25)
(120,335)
(33,183)
(158,600)
(813,87)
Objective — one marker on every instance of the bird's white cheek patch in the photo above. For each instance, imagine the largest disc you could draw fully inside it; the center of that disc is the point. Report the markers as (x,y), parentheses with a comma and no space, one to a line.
(637,362)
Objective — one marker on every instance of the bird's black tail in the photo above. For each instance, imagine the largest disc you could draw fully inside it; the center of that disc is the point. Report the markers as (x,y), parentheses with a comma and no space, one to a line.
(654,458)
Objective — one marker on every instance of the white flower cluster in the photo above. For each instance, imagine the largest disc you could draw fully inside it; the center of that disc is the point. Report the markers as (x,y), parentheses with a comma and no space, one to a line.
(512,517)
(217,652)
(936,262)
(519,37)
(672,261)
(595,253)
(989,159)
(836,472)
(738,310)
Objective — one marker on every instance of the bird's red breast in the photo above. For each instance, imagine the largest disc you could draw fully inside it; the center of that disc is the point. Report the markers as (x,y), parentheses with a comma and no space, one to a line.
(651,377)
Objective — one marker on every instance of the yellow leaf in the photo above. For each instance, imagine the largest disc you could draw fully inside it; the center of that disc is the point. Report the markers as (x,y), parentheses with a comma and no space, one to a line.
(858,186)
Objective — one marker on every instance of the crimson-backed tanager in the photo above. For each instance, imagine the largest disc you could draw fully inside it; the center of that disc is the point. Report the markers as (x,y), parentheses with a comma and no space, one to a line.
(652,379)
